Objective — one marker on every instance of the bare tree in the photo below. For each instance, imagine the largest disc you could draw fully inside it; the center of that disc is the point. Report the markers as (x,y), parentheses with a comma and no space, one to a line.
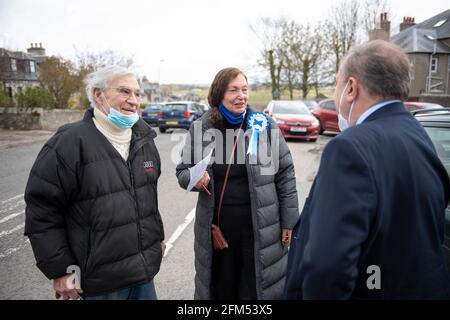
(304,47)
(342,29)
(95,60)
(269,31)
(289,41)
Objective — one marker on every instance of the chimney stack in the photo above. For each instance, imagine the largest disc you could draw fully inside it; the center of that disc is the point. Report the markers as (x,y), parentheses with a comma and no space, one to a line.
(36,49)
(384,31)
(407,22)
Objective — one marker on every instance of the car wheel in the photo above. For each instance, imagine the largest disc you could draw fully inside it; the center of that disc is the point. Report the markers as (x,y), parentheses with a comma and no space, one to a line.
(313,140)
(162,130)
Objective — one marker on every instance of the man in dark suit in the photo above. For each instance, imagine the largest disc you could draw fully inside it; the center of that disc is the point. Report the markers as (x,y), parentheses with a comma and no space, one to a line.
(373,223)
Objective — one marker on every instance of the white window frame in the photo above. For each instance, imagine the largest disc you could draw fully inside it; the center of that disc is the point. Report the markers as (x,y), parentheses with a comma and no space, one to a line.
(434,64)
(32,66)
(13,64)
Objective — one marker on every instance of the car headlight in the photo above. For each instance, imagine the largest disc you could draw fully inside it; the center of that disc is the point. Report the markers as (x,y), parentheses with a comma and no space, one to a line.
(315,123)
(278,121)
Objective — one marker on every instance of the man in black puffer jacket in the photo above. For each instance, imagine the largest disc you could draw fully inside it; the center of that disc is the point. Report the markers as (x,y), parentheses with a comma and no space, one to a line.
(92,199)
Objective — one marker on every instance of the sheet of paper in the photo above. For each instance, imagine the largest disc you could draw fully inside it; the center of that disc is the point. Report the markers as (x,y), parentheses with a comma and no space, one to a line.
(196,172)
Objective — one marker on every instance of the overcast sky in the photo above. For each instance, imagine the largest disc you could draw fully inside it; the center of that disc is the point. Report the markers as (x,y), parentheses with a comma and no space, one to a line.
(174,41)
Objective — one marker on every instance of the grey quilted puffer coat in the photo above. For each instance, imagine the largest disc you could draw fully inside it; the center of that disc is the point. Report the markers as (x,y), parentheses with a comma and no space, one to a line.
(274,204)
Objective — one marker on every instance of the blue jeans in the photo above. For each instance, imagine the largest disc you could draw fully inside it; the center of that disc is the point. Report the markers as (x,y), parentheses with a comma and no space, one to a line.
(144,291)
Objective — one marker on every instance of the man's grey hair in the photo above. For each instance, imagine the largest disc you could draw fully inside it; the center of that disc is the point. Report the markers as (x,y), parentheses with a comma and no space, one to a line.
(100,79)
(382,67)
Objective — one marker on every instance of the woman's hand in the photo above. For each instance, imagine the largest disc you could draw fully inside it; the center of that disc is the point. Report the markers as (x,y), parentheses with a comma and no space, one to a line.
(286,235)
(204,181)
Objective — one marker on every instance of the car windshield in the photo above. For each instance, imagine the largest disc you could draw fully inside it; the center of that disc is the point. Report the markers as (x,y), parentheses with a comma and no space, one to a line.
(176,107)
(151,108)
(441,141)
(310,103)
(290,108)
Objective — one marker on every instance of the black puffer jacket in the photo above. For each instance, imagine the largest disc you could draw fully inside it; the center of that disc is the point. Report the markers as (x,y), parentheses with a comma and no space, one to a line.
(88,207)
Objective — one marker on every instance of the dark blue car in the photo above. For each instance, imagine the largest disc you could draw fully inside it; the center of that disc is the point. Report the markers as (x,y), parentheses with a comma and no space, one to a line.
(179,114)
(151,113)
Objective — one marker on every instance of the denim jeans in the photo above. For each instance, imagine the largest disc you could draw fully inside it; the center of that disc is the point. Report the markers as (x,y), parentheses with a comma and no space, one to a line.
(144,291)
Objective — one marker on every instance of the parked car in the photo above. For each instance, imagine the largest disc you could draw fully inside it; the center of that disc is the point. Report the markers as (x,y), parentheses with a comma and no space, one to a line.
(179,114)
(437,124)
(294,119)
(150,114)
(327,115)
(311,104)
(412,106)
(204,106)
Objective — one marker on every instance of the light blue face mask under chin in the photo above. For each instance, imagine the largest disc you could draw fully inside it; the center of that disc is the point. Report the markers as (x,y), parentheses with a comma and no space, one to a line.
(121,120)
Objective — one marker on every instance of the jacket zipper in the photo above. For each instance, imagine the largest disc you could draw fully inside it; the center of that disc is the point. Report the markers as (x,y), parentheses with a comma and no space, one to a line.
(138,223)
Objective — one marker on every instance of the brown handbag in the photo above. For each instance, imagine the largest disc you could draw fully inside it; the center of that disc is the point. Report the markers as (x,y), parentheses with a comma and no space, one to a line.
(218,240)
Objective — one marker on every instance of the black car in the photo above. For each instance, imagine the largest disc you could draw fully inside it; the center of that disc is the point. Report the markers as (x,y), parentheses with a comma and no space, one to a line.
(437,124)
(179,115)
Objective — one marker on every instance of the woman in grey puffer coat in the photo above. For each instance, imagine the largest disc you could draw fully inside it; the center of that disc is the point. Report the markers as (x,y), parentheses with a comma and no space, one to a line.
(260,204)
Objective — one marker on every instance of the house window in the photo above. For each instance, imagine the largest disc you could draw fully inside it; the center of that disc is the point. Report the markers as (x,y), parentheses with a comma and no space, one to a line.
(9,92)
(32,67)
(13,64)
(434,64)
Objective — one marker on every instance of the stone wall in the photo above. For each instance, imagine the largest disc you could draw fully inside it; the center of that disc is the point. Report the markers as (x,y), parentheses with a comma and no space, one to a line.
(18,119)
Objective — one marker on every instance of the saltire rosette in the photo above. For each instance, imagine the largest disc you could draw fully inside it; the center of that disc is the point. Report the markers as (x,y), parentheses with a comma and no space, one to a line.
(258,122)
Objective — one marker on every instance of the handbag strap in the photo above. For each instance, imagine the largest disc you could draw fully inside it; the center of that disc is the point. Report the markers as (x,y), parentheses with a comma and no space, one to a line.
(227,174)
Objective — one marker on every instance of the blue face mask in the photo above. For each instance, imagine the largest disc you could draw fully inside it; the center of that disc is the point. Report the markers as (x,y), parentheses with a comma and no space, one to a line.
(121,120)
(230,116)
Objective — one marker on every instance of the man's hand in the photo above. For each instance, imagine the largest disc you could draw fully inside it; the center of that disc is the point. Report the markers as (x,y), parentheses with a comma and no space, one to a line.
(204,181)
(286,235)
(163,247)
(65,287)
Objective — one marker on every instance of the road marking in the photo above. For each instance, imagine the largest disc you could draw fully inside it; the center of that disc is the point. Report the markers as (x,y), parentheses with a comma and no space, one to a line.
(12,250)
(18,227)
(11,199)
(187,220)
(12,206)
(11,216)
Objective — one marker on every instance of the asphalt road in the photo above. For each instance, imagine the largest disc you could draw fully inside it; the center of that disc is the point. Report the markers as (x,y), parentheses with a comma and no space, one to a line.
(20,278)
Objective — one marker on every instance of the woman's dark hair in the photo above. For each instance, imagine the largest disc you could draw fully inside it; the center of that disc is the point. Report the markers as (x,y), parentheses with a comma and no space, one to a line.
(217,91)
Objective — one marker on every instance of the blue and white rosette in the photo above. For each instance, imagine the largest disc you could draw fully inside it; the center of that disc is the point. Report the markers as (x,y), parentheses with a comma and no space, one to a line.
(258,122)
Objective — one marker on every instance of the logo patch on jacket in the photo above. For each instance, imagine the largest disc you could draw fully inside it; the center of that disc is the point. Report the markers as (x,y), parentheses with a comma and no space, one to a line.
(148,166)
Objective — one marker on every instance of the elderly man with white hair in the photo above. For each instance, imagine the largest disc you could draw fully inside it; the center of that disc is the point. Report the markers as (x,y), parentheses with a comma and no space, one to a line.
(91,198)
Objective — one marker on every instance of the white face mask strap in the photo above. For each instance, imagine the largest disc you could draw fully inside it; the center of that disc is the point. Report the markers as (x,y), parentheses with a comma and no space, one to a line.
(342,96)
(106,100)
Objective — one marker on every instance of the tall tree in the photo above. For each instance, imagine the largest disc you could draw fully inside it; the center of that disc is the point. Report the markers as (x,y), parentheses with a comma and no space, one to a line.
(95,60)
(269,31)
(308,50)
(61,79)
(342,29)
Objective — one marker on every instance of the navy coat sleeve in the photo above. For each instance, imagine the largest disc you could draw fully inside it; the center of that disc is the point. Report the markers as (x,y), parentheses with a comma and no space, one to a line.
(341,208)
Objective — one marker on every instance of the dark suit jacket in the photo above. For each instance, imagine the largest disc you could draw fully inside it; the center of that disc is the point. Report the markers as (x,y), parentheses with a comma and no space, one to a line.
(378,199)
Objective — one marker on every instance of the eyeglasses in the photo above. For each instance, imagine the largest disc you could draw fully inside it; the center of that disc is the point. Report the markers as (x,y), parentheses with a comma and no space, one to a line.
(126,92)
(235,91)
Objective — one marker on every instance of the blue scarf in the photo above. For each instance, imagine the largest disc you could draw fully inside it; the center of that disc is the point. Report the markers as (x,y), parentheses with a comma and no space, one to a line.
(230,116)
